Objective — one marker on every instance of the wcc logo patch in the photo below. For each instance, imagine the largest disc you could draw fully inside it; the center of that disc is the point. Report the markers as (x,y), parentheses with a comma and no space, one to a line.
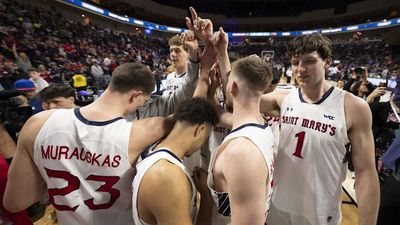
(329,117)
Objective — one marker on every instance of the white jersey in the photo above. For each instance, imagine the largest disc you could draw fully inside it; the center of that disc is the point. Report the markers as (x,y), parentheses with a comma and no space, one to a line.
(143,166)
(173,82)
(262,137)
(217,135)
(310,166)
(86,168)
(273,123)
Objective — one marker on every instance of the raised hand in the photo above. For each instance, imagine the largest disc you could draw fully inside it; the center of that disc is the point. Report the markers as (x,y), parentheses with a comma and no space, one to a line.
(202,28)
(220,41)
(208,58)
(190,42)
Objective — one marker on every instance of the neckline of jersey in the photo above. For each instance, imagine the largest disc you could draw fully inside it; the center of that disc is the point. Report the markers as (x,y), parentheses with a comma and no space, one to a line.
(324,97)
(78,115)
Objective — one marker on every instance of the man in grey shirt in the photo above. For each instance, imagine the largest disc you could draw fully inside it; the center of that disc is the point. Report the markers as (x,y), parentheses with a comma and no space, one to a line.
(165,105)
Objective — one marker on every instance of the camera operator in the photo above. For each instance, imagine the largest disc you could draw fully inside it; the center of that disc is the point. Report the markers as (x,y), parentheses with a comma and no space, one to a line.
(10,120)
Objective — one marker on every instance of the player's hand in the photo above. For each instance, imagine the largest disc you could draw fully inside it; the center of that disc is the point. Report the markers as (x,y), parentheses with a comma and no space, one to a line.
(191,44)
(215,82)
(200,180)
(202,28)
(208,58)
(189,40)
(220,41)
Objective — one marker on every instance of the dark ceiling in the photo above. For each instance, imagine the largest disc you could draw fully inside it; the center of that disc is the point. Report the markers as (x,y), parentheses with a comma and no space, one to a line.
(259,8)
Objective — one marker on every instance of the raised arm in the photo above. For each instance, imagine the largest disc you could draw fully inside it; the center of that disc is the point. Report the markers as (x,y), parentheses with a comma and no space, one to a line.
(361,139)
(170,206)
(246,176)
(220,43)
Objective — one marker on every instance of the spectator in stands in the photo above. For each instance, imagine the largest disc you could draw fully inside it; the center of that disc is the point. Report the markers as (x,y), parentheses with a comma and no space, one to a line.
(57,96)
(385,124)
(340,84)
(359,74)
(44,73)
(27,87)
(22,58)
(39,82)
(97,73)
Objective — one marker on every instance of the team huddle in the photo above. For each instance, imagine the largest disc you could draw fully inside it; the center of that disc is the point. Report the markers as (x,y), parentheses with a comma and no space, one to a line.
(100,167)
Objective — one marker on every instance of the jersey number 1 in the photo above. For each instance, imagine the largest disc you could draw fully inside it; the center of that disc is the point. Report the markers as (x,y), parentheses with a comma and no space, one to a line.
(73,184)
(299,146)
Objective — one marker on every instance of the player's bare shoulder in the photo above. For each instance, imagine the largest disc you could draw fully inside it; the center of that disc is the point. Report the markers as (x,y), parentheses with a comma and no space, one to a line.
(356,109)
(241,150)
(33,125)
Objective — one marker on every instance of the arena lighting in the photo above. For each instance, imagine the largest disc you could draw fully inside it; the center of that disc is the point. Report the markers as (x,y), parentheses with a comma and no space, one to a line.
(147,31)
(353,28)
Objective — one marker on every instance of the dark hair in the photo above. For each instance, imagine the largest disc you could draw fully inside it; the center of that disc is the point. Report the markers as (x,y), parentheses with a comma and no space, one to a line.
(56,90)
(196,111)
(130,76)
(32,70)
(306,44)
(175,40)
(256,72)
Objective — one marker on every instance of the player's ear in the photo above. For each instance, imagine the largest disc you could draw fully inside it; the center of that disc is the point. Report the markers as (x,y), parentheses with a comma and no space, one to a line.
(199,129)
(134,94)
(328,62)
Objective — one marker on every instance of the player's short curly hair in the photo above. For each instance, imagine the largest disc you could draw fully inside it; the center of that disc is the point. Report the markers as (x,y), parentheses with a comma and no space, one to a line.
(306,44)
(196,111)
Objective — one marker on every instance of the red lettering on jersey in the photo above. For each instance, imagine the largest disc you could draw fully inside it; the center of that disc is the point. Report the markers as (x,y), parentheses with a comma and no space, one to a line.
(311,125)
(116,160)
(45,154)
(63,151)
(88,157)
(324,128)
(94,159)
(318,126)
(333,131)
(106,161)
(81,156)
(75,153)
(305,122)
(55,152)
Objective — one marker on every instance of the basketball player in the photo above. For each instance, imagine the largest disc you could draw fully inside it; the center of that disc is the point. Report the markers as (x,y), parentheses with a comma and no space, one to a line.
(317,121)
(165,105)
(179,56)
(163,167)
(85,156)
(240,171)
(57,96)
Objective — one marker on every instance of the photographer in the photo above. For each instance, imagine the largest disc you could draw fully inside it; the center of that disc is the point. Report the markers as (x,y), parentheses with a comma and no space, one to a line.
(359,74)
(7,150)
